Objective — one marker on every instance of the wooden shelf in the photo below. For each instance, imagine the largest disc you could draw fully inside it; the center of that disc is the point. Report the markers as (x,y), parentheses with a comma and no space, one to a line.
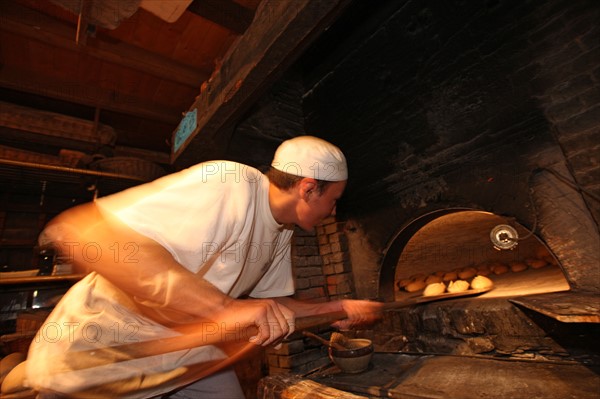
(41,279)
(28,173)
(16,243)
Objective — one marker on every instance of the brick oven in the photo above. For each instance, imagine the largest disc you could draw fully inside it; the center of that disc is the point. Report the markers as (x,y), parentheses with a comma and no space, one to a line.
(456,117)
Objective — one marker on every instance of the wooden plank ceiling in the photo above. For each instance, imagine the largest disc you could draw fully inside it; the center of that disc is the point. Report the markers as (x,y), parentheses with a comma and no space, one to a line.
(116,64)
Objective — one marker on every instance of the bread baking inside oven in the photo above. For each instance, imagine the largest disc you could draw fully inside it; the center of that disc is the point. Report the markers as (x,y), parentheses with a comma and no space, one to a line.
(481,283)
(458,286)
(434,289)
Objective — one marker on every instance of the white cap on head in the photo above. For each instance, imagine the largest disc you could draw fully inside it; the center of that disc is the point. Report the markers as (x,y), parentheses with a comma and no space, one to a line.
(309,156)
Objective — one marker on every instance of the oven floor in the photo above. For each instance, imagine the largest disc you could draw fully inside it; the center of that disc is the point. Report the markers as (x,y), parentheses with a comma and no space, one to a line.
(414,376)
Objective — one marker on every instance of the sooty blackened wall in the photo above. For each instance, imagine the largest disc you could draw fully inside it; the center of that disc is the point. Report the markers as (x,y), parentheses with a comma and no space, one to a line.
(464,103)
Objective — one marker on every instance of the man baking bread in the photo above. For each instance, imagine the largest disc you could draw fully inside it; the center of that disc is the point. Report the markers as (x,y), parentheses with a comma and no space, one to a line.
(182,249)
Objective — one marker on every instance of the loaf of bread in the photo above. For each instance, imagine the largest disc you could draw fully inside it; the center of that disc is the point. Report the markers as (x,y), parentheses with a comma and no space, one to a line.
(481,283)
(499,268)
(541,252)
(458,286)
(404,282)
(536,263)
(484,270)
(415,286)
(449,276)
(434,289)
(544,254)
(517,266)
(467,273)
(431,279)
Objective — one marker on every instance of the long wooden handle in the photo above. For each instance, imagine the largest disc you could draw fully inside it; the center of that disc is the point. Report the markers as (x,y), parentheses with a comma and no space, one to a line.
(201,334)
(193,335)
(196,335)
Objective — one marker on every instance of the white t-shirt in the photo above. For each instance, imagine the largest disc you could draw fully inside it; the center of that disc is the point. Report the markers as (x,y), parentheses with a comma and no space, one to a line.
(215,219)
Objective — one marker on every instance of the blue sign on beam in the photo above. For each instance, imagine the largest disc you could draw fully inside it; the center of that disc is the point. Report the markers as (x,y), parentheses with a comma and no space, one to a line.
(185,129)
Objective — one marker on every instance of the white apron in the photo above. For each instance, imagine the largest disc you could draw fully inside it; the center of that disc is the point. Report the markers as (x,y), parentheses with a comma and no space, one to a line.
(76,340)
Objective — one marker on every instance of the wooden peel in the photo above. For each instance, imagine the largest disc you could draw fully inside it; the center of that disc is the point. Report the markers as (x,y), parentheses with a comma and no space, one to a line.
(424,299)
(328,318)
(196,335)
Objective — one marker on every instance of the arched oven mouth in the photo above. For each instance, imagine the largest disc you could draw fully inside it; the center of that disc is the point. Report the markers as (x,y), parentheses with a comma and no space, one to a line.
(450,247)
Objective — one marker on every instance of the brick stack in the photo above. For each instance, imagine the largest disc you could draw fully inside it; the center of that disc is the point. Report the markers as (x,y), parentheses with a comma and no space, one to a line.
(323,272)
(308,267)
(333,247)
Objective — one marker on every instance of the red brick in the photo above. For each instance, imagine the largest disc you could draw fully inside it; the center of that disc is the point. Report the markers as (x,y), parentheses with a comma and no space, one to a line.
(299,261)
(300,358)
(325,249)
(335,279)
(334,238)
(277,370)
(338,257)
(302,283)
(306,251)
(344,287)
(336,247)
(331,228)
(316,260)
(273,359)
(317,281)
(328,220)
(308,271)
(287,348)
(312,365)
(323,240)
(311,293)
(312,241)
(328,269)
(298,232)
(341,267)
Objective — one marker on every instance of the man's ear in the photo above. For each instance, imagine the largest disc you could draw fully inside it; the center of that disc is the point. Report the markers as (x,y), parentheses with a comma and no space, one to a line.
(307,187)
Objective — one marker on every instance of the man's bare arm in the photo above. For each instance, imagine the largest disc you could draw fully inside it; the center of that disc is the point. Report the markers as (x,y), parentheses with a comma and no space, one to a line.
(146,271)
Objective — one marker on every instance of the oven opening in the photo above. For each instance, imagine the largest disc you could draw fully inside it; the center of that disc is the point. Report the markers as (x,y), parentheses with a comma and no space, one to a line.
(458,245)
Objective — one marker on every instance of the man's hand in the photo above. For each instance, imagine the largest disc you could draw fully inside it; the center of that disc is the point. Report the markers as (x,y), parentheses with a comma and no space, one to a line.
(273,320)
(360,312)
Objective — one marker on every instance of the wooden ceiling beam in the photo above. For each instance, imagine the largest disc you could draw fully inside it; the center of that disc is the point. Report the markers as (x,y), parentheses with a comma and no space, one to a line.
(226,13)
(280,32)
(28,127)
(37,26)
(55,125)
(28,81)
(148,155)
(10,137)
